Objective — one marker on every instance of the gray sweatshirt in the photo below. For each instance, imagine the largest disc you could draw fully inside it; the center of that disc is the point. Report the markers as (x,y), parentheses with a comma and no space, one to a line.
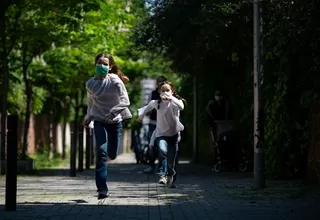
(108,100)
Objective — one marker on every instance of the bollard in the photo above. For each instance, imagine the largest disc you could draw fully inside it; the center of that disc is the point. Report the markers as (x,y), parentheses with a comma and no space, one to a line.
(80,155)
(73,154)
(11,168)
(88,148)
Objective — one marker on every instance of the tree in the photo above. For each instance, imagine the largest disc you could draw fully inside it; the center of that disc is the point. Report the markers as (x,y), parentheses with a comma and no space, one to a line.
(28,28)
(213,40)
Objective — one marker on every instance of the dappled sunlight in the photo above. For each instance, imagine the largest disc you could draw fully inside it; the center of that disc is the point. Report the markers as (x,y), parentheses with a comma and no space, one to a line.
(199,193)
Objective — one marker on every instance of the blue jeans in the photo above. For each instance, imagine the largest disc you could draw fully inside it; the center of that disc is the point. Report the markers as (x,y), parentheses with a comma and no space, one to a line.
(108,137)
(168,153)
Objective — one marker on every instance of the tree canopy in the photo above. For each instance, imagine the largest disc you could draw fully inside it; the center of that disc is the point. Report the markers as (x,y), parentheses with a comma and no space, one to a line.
(48,51)
(213,40)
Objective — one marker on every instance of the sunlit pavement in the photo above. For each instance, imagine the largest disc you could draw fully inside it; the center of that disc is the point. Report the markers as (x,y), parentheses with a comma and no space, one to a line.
(200,194)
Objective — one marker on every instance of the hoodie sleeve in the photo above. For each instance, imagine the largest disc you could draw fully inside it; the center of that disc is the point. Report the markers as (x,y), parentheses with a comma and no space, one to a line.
(124,98)
(177,103)
(152,104)
(89,100)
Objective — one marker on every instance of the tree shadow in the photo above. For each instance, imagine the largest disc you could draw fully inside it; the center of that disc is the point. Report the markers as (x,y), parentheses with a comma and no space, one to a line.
(160,207)
(200,194)
(183,169)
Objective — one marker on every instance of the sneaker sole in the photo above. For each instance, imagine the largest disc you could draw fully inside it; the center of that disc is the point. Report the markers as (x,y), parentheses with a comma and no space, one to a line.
(171,181)
(103,196)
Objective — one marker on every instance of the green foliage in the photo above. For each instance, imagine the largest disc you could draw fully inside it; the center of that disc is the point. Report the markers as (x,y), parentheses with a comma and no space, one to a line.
(42,161)
(51,48)
(60,43)
(213,40)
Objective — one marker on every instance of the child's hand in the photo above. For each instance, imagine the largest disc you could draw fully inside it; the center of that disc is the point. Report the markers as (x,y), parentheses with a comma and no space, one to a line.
(166,98)
(86,121)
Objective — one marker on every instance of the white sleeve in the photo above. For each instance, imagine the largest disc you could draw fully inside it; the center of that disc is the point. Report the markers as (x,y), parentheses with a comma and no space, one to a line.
(90,103)
(177,103)
(141,111)
(124,98)
(144,110)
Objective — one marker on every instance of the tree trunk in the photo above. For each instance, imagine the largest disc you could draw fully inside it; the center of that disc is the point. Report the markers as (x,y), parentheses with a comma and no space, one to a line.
(4,86)
(76,120)
(28,111)
(50,147)
(64,129)
(6,49)
(314,144)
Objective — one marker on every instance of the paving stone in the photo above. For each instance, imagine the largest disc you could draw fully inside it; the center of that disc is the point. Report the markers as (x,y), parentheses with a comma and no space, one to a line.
(200,194)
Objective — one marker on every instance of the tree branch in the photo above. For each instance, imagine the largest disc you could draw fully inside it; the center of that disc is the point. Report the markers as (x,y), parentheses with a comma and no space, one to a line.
(14,35)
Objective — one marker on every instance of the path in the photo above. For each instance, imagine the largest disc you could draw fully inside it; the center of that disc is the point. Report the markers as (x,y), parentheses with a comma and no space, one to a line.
(200,194)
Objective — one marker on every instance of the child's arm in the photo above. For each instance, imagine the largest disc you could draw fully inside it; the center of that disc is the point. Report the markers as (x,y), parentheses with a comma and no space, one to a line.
(144,110)
(87,118)
(177,103)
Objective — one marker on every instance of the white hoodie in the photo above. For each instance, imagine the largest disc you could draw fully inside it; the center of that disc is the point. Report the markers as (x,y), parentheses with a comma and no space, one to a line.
(168,123)
(108,100)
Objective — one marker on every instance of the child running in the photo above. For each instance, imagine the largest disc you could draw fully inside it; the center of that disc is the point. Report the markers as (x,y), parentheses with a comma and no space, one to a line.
(168,127)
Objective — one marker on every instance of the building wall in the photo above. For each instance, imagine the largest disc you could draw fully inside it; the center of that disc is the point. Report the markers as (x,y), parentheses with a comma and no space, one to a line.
(39,136)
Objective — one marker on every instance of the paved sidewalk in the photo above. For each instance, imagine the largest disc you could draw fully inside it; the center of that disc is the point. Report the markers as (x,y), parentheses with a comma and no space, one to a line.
(200,194)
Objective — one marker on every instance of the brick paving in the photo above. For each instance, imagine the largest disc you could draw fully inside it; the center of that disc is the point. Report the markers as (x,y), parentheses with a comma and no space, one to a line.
(200,194)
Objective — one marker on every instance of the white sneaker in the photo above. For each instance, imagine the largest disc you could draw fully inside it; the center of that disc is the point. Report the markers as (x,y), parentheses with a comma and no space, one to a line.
(163,179)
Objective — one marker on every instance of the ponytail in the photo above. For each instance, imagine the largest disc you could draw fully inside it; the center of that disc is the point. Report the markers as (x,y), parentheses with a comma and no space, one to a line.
(159,101)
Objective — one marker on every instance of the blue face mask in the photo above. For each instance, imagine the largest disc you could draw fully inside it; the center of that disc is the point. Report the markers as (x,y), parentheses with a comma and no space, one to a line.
(101,70)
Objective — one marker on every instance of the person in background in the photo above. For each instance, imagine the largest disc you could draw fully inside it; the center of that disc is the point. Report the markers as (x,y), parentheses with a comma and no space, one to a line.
(155,95)
(217,108)
(108,104)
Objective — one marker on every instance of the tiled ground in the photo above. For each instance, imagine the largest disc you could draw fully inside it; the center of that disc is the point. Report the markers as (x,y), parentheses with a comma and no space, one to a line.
(200,194)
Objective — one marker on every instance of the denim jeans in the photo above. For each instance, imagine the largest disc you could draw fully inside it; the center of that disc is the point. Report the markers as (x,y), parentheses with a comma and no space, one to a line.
(108,137)
(168,153)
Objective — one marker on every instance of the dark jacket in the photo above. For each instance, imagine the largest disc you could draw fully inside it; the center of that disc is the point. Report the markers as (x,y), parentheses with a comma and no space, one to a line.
(154,96)
(219,111)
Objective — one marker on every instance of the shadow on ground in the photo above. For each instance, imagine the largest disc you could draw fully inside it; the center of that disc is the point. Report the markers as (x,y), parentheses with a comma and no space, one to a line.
(200,194)
(200,209)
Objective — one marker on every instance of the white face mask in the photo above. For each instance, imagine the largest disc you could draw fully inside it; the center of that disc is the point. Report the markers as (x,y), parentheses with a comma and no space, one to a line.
(165,94)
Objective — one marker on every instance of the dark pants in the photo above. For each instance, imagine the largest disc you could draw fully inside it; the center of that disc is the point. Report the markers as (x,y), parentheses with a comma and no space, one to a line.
(168,154)
(108,138)
(152,151)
